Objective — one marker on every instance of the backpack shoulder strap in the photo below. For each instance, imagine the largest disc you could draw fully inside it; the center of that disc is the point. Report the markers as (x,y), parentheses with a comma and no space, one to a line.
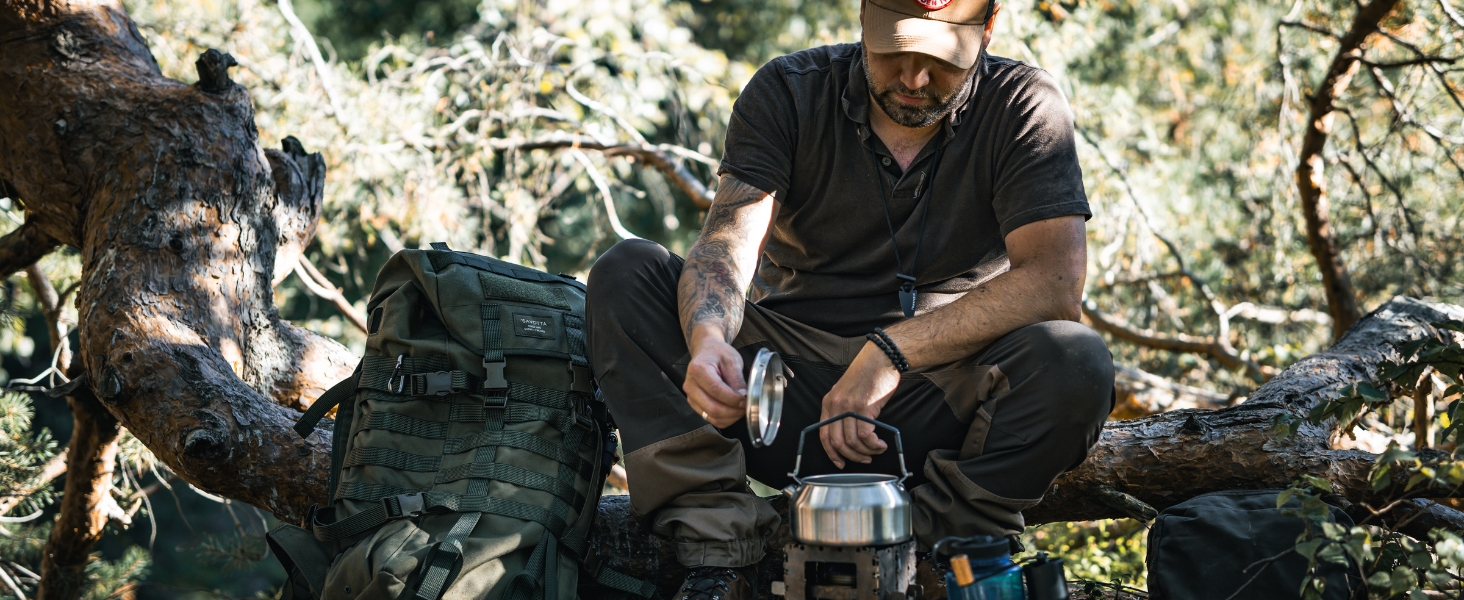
(330,399)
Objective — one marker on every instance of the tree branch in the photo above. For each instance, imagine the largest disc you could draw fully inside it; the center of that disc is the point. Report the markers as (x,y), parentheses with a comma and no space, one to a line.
(48,473)
(316,282)
(179,337)
(658,156)
(1310,179)
(86,503)
(23,247)
(1310,27)
(1211,347)
(90,457)
(1453,14)
(1140,394)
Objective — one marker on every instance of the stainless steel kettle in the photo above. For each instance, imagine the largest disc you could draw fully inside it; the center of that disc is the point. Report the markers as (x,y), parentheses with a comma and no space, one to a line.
(850,509)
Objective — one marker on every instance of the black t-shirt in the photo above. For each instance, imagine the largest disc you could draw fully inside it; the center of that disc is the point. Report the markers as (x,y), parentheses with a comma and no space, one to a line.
(800,130)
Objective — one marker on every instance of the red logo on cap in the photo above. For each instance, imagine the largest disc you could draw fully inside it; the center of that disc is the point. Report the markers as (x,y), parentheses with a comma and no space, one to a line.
(934,4)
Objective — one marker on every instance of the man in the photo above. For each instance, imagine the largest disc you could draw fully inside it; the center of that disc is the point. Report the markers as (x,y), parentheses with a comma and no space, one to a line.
(910,187)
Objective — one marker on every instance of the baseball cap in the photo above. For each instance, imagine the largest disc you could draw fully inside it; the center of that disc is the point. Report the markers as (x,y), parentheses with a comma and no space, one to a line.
(949,30)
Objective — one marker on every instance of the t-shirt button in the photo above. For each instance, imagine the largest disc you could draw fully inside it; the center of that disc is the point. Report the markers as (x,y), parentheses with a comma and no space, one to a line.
(886,161)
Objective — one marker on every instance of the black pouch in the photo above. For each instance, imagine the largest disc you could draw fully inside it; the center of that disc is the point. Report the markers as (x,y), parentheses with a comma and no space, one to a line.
(1199,550)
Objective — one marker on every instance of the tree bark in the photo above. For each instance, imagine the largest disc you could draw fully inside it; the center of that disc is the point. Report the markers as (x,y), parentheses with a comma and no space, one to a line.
(22,247)
(180,216)
(86,503)
(1311,182)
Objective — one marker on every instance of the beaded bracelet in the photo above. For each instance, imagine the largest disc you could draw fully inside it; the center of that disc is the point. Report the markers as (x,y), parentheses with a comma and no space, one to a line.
(887,345)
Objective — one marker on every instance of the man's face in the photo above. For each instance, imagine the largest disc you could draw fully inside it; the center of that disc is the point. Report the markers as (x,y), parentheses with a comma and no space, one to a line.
(915,90)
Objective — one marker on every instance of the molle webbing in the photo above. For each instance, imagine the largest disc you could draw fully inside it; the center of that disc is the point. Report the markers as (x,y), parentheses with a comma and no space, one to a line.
(574,329)
(492,334)
(464,413)
(565,412)
(390,507)
(391,459)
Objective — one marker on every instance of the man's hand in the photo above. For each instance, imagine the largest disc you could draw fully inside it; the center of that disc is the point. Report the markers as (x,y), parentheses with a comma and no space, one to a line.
(864,388)
(714,386)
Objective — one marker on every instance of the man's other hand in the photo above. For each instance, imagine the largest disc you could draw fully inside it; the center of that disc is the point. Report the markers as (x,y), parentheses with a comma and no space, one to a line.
(714,386)
(864,388)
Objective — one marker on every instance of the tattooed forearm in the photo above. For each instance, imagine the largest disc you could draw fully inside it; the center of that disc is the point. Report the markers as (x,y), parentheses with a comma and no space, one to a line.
(720,264)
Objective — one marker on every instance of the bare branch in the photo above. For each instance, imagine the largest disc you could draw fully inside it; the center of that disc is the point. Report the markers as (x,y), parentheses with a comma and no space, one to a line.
(1423,60)
(1211,347)
(48,473)
(302,36)
(658,156)
(1310,182)
(1453,15)
(23,247)
(316,282)
(52,304)
(604,189)
(1310,27)
(1141,393)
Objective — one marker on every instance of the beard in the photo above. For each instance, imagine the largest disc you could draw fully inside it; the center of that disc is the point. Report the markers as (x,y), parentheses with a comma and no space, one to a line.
(930,112)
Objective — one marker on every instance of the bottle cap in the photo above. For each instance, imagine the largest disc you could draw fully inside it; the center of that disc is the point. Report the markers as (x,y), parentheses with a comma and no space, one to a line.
(981,547)
(961,568)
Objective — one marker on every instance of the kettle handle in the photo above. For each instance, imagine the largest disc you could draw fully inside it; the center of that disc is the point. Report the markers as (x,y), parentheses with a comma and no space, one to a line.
(899,447)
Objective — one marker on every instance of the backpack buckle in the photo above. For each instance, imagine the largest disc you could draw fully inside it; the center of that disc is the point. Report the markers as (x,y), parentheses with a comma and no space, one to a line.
(583,379)
(494,379)
(406,505)
(437,384)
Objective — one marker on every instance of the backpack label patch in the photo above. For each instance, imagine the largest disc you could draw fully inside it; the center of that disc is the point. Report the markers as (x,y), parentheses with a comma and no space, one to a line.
(531,325)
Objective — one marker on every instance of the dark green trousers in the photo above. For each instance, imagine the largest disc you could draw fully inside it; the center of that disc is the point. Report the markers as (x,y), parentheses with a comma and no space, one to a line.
(984,436)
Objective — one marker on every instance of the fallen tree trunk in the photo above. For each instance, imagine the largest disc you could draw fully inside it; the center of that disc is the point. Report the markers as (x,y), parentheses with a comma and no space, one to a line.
(1161,460)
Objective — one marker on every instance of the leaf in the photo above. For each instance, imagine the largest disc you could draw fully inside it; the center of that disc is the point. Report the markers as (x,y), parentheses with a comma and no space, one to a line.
(1371,393)
(1309,548)
(1416,479)
(1402,578)
(1379,580)
(1395,454)
(1420,560)
(1285,496)
(1318,482)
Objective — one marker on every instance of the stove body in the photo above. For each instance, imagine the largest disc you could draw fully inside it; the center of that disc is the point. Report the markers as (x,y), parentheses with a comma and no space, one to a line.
(813,572)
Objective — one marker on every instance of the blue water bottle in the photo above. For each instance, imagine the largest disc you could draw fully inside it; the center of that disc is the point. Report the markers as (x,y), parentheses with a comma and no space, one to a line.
(983,570)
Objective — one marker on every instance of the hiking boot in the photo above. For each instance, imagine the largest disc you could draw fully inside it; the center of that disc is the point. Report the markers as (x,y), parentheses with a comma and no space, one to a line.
(719,583)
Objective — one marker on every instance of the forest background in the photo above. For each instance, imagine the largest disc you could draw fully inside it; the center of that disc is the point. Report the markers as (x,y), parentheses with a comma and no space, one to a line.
(544,132)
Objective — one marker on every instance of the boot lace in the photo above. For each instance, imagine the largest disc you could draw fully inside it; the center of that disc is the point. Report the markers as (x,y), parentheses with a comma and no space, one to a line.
(708,583)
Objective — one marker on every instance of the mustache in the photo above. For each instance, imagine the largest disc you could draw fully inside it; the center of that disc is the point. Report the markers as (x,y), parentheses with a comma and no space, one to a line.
(899,88)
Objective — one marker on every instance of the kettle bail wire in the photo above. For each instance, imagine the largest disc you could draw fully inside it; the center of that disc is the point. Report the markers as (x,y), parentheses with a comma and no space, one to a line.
(899,447)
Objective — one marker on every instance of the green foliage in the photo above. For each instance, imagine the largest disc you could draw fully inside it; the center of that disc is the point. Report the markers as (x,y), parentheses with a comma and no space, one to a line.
(22,455)
(1439,355)
(1392,564)
(115,579)
(350,27)
(1108,552)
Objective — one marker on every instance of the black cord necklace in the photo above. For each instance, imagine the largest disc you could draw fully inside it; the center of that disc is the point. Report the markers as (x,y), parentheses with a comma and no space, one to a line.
(907,281)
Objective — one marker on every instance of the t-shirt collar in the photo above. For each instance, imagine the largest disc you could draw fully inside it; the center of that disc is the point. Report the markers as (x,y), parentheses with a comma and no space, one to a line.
(856,92)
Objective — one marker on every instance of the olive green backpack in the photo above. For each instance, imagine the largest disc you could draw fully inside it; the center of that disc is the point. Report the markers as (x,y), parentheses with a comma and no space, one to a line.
(469,447)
